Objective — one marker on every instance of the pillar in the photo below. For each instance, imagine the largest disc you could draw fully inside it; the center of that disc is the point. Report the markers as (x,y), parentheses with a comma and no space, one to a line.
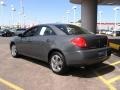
(89,15)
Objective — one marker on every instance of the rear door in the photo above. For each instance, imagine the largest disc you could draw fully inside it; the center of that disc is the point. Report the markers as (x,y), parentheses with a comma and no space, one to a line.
(48,35)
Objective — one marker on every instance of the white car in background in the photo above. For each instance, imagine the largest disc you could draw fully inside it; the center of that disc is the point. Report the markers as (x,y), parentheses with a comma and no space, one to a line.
(116,33)
(109,32)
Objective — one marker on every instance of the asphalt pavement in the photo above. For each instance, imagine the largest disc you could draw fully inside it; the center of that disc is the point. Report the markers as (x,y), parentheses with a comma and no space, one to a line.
(29,74)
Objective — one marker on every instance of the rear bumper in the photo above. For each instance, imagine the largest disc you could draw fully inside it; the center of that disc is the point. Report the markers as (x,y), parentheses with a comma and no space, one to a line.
(87,57)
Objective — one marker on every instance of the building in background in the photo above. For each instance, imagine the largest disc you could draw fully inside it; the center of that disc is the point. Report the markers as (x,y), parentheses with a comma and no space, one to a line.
(107,26)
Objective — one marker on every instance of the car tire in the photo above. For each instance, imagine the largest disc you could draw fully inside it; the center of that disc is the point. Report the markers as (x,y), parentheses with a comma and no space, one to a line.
(14,51)
(57,63)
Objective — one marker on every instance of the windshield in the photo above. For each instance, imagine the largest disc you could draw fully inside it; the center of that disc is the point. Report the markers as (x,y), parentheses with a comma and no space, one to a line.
(72,30)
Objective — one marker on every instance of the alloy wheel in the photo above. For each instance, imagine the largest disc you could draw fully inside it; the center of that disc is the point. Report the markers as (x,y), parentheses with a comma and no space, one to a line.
(56,63)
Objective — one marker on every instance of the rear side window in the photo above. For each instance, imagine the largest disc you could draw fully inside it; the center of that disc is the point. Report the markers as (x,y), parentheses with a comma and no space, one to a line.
(46,31)
(72,29)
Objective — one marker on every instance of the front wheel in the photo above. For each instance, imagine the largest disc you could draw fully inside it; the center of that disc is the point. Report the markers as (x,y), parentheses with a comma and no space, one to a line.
(14,51)
(57,63)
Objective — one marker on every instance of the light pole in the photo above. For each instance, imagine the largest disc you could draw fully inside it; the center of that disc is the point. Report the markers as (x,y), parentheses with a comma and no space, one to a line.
(115,17)
(68,12)
(64,19)
(22,7)
(100,18)
(19,19)
(74,10)
(24,19)
(12,13)
(2,3)
(22,12)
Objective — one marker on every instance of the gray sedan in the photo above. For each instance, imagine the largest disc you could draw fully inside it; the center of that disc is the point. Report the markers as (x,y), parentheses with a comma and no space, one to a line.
(61,45)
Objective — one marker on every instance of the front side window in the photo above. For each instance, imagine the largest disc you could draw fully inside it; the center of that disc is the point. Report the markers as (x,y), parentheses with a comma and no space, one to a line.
(31,32)
(72,29)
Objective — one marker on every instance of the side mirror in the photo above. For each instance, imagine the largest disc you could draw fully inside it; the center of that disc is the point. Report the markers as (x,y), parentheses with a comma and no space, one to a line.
(20,35)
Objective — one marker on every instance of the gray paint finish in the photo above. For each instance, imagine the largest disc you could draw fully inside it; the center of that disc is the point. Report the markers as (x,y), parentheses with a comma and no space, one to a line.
(39,47)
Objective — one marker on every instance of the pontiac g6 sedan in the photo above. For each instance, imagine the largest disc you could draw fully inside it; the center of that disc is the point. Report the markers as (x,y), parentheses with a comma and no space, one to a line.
(61,45)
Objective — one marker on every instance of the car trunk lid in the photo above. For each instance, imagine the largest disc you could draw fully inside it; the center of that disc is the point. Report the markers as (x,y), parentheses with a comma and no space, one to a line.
(94,41)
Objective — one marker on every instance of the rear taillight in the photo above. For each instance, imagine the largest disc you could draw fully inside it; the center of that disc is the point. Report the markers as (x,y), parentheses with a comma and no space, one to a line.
(80,42)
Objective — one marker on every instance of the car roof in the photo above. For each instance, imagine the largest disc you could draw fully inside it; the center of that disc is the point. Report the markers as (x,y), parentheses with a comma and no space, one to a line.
(54,24)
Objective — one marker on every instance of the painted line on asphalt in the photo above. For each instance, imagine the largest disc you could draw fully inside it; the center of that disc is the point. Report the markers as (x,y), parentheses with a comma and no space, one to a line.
(109,85)
(115,67)
(114,79)
(113,64)
(106,66)
(10,85)
(110,81)
(115,46)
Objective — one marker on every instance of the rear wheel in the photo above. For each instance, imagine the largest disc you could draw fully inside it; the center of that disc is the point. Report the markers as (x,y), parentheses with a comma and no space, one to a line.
(57,63)
(14,51)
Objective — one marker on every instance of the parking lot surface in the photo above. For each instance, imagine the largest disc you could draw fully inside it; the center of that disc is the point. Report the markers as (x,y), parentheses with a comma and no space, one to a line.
(29,74)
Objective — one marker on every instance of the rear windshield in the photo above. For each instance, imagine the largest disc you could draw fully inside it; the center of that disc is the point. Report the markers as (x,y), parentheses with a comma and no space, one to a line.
(72,29)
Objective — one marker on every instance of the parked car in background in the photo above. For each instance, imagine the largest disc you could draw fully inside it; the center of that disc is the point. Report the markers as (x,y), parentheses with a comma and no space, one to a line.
(61,45)
(6,33)
(109,32)
(116,33)
(1,32)
(18,31)
(103,31)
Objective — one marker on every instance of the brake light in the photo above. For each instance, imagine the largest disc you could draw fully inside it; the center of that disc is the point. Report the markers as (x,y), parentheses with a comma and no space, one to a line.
(80,42)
